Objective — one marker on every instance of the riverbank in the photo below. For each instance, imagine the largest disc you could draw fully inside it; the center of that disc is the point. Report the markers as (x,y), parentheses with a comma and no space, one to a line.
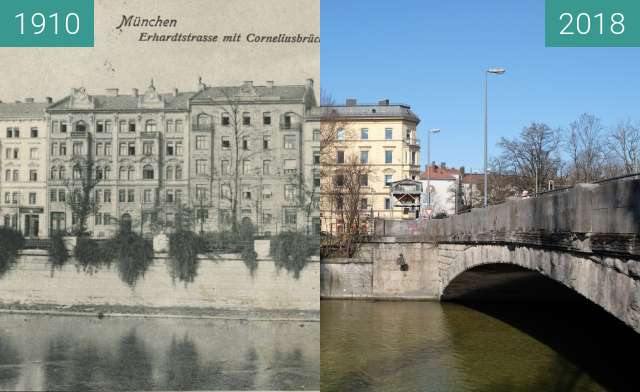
(101,311)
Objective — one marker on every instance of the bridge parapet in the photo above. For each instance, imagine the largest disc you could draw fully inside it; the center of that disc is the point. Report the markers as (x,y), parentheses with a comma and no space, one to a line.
(598,218)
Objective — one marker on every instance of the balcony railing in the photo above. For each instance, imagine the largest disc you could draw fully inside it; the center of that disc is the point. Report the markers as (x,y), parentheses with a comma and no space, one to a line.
(79,134)
(149,135)
(202,127)
(412,141)
(291,126)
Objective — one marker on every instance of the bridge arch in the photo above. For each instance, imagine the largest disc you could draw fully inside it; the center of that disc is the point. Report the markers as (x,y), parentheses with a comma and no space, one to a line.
(605,281)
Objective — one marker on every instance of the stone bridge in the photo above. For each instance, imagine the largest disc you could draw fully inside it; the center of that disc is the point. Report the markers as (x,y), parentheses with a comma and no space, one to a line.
(586,237)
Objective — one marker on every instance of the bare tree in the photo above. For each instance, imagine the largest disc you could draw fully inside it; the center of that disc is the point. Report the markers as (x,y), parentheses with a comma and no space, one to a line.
(624,144)
(533,156)
(80,188)
(585,144)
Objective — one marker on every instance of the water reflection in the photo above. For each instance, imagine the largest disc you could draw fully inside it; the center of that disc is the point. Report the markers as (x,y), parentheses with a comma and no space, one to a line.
(69,353)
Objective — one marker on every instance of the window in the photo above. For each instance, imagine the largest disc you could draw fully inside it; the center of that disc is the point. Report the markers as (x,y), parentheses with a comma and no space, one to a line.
(290,216)
(246,118)
(7,197)
(170,127)
(77,148)
(16,153)
(148,196)
(62,195)
(55,127)
(225,217)
(122,126)
(364,133)
(225,167)
(16,176)
(122,196)
(364,157)
(388,133)
(147,148)
(99,219)
(170,149)
(131,196)
(63,149)
(151,126)
(53,195)
(15,197)
(55,150)
(225,191)
(202,143)
(107,196)
(201,193)
(289,192)
(246,192)
(266,167)
(266,192)
(316,135)
(316,179)
(131,148)
(98,195)
(99,127)
(178,126)
(131,173)
(63,127)
(77,172)
(338,180)
(99,150)
(266,142)
(387,203)
(201,167)
(132,126)
(289,142)
(122,174)
(107,126)
(245,143)
(388,156)
(364,180)
(107,172)
(34,132)
(339,156)
(267,217)
(33,175)
(226,143)
(169,173)
(364,204)
(147,172)
(32,198)
(7,153)
(316,157)
(34,153)
(178,172)
(225,119)
(179,149)
(246,167)
(388,179)
(287,121)
(266,118)
(123,149)
(290,166)
(340,134)
(63,174)
(7,174)
(81,127)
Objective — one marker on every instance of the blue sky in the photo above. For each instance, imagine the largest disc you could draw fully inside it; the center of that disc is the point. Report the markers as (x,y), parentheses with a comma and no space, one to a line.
(432,55)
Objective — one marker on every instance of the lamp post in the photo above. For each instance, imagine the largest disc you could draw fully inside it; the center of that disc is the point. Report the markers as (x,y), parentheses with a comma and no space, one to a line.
(432,130)
(495,71)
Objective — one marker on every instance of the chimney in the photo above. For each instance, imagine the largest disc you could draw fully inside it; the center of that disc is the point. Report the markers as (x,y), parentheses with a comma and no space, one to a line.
(28,100)
(112,92)
(309,83)
(383,102)
(352,102)
(247,83)
(270,83)
(175,92)
(48,100)
(134,92)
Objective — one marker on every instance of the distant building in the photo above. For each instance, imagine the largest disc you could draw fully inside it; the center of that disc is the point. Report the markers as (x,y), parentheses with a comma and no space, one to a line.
(444,182)
(23,167)
(382,137)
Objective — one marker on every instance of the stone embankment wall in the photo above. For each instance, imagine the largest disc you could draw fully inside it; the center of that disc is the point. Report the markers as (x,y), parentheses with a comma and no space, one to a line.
(224,283)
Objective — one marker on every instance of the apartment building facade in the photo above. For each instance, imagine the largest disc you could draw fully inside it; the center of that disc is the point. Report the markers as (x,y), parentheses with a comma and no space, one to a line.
(383,138)
(248,153)
(23,167)
(138,147)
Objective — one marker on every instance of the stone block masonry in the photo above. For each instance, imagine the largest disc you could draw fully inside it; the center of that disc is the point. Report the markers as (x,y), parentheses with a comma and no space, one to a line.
(222,284)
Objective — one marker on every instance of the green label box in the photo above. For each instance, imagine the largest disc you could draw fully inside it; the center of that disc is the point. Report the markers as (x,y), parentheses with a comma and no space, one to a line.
(46,23)
(592,23)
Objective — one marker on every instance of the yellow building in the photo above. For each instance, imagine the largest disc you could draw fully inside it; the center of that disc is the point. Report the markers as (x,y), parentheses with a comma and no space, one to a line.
(382,139)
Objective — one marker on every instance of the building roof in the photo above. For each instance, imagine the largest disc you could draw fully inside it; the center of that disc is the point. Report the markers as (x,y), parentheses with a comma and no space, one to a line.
(23,110)
(440,173)
(127,102)
(365,111)
(249,91)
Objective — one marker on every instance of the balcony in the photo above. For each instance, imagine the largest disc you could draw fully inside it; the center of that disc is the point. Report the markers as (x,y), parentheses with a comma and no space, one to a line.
(79,134)
(412,142)
(291,127)
(202,127)
(149,135)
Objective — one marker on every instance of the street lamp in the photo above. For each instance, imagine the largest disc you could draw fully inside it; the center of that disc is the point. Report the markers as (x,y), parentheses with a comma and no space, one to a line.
(495,71)
(432,130)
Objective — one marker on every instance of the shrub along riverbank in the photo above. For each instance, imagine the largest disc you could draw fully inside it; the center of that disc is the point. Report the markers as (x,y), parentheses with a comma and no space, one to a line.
(11,241)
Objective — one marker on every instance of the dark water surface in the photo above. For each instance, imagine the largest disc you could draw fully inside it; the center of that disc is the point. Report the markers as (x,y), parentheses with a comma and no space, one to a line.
(431,346)
(111,354)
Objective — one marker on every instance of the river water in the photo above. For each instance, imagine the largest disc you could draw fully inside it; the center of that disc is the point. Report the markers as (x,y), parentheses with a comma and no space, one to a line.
(89,354)
(432,346)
